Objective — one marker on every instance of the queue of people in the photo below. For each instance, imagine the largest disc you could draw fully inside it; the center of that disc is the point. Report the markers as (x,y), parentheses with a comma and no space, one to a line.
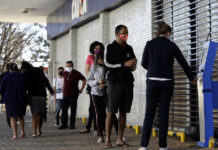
(110,85)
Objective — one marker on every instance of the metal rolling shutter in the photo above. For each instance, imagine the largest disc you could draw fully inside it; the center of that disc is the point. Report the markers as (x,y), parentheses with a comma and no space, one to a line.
(193,22)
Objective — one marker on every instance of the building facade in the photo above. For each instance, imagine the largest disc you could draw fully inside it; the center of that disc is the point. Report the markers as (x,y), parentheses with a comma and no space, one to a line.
(75,25)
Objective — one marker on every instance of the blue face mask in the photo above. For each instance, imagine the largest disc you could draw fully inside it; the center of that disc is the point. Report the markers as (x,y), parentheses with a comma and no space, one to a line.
(170,38)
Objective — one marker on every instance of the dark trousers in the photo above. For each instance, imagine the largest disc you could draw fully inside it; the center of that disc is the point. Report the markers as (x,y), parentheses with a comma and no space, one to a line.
(157,91)
(69,101)
(91,115)
(59,103)
(100,110)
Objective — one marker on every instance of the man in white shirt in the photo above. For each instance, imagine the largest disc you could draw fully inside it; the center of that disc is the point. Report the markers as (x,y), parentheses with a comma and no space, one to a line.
(58,96)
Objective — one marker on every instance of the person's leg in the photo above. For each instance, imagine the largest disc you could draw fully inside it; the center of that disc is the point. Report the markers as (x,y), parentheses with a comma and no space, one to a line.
(89,122)
(114,93)
(57,111)
(64,116)
(152,97)
(121,124)
(40,123)
(73,107)
(34,124)
(115,123)
(165,99)
(109,122)
(14,127)
(21,122)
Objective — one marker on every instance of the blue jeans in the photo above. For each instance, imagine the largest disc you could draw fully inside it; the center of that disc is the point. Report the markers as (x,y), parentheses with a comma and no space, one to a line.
(59,103)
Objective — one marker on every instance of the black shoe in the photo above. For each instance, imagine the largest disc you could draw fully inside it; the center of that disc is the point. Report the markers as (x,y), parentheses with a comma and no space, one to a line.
(62,127)
(72,127)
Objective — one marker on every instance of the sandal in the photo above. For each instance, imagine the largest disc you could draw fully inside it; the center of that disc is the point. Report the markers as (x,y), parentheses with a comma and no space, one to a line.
(123,144)
(106,146)
(85,131)
(14,138)
(22,136)
(40,133)
(34,136)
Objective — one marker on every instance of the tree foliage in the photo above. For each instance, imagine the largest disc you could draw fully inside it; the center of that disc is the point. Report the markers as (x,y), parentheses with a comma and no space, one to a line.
(16,39)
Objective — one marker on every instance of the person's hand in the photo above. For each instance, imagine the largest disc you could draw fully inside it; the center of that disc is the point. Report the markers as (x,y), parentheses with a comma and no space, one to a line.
(101,81)
(131,63)
(80,91)
(101,86)
(194,82)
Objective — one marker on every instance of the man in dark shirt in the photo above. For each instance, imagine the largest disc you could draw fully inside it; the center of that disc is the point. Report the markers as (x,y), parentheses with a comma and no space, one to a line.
(71,92)
(120,61)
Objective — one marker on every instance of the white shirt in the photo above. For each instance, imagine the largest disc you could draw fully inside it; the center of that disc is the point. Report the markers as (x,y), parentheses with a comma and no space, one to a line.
(58,83)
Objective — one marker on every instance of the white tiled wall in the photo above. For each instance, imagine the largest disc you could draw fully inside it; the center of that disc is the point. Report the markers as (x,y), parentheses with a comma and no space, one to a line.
(136,15)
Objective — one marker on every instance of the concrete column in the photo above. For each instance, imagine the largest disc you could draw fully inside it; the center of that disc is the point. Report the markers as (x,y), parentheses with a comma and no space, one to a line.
(105,27)
(52,72)
(73,45)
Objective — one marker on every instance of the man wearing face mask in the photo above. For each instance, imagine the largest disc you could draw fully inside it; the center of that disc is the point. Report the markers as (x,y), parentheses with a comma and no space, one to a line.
(71,92)
(58,95)
(120,61)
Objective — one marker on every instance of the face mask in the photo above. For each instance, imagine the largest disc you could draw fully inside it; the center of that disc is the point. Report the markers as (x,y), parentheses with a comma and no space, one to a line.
(170,38)
(124,37)
(97,51)
(69,69)
(60,73)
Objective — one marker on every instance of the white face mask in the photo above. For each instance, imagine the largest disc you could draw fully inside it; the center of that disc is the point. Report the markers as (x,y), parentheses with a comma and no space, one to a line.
(69,69)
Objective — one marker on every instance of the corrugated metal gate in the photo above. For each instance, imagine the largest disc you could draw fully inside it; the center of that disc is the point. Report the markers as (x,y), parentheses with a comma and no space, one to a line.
(193,22)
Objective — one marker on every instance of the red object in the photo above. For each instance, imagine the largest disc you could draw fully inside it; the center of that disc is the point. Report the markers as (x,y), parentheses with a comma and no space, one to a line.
(90,60)
(71,82)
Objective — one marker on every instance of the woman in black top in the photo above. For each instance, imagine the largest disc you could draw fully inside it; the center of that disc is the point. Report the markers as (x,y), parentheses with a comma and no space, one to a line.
(37,94)
(158,60)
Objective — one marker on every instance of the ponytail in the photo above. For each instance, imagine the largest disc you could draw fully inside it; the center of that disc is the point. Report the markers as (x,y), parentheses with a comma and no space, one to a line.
(163,28)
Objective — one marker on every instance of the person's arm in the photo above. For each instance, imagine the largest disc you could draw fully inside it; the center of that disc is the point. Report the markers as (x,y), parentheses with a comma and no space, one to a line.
(2,89)
(47,84)
(145,61)
(111,61)
(181,60)
(83,84)
(54,88)
(91,80)
(87,68)
(133,68)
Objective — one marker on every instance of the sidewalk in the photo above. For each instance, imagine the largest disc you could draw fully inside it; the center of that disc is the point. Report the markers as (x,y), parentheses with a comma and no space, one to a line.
(53,139)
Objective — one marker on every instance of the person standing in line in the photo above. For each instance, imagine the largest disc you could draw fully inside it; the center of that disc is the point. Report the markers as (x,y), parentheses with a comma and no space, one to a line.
(158,59)
(95,48)
(97,82)
(58,94)
(13,90)
(2,76)
(120,61)
(71,92)
(37,95)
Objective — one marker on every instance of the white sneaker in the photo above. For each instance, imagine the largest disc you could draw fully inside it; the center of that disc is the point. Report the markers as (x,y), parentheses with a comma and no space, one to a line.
(95,133)
(124,139)
(163,149)
(100,140)
(142,148)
